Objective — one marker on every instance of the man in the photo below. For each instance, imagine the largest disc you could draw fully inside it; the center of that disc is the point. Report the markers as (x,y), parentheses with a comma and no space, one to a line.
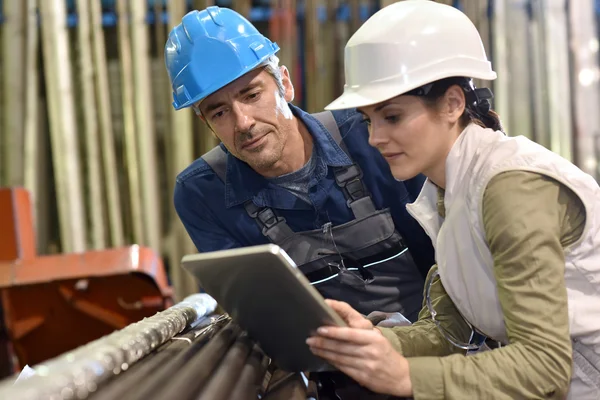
(309,183)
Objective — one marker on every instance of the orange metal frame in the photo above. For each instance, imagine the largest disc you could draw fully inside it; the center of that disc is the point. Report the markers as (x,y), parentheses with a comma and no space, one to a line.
(53,304)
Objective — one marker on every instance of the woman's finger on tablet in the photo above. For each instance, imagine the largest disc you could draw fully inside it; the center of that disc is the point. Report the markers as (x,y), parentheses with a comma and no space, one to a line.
(352,317)
(338,346)
(352,335)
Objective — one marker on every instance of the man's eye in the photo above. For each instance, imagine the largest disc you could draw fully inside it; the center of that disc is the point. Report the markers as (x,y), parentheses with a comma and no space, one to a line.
(253,96)
(218,114)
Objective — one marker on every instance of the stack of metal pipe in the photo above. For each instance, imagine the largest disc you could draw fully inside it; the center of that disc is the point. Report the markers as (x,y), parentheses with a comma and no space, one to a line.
(184,352)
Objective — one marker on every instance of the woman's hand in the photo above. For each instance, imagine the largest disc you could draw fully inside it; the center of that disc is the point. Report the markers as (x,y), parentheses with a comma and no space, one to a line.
(362,352)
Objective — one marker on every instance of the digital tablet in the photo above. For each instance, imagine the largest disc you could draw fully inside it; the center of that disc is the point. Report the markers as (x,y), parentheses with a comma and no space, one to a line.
(264,292)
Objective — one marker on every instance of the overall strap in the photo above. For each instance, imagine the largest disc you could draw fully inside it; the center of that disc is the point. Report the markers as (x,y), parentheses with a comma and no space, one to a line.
(217,160)
(349,179)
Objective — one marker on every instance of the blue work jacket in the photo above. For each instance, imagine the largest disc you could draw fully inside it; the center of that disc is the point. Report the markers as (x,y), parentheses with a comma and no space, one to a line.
(213,212)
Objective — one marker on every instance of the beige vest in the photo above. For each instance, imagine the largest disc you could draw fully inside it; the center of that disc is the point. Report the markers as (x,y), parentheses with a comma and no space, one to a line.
(464,259)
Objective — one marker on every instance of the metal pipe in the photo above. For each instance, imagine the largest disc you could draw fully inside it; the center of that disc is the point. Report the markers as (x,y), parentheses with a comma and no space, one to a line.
(134,383)
(228,372)
(188,382)
(250,379)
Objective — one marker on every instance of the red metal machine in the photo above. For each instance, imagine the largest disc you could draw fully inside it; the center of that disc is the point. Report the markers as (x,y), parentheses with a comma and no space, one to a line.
(53,304)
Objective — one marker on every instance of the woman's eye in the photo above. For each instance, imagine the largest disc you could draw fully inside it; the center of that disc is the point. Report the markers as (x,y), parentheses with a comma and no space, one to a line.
(392,119)
(366,121)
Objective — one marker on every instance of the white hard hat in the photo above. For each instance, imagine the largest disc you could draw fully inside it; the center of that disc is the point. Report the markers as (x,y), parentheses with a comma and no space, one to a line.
(407,45)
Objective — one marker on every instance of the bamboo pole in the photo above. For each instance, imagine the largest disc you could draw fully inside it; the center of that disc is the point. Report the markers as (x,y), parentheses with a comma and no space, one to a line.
(537,73)
(519,84)
(558,75)
(145,124)
(182,140)
(129,128)
(242,7)
(91,131)
(355,21)
(62,125)
(13,92)
(329,52)
(342,36)
(500,60)
(205,139)
(314,89)
(477,11)
(32,153)
(586,86)
(115,215)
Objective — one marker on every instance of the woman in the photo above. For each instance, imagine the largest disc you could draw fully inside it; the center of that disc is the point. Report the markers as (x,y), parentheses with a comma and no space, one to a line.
(515,227)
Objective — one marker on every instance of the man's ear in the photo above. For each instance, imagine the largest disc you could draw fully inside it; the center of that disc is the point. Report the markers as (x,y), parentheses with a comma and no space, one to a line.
(287,84)
(454,103)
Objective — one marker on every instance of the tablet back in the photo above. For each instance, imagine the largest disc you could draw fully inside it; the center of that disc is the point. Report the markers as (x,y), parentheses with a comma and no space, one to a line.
(263,291)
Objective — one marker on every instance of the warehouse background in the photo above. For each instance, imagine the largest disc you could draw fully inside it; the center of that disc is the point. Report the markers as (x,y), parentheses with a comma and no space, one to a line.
(87,127)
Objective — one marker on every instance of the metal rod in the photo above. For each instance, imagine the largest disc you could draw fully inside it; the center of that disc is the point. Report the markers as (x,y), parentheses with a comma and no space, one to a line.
(188,382)
(223,380)
(249,382)
(161,364)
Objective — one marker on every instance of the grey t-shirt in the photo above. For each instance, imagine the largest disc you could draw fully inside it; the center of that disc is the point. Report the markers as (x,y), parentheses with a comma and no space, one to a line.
(298,181)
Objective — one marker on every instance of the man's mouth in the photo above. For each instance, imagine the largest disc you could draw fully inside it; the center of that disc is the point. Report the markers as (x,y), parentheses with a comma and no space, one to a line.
(253,143)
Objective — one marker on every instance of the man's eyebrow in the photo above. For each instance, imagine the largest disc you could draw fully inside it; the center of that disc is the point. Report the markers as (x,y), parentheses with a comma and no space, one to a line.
(250,86)
(213,106)
(245,90)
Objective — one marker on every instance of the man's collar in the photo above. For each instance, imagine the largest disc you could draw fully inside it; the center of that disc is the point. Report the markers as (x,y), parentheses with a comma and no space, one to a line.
(243,183)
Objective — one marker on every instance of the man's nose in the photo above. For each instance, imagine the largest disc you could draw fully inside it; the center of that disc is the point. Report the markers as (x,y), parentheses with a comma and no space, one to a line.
(243,118)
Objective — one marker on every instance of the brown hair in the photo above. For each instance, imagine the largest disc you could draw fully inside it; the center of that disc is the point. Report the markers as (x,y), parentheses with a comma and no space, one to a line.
(477,107)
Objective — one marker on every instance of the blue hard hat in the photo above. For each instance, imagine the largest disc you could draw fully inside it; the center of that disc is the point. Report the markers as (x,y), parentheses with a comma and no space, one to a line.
(210,49)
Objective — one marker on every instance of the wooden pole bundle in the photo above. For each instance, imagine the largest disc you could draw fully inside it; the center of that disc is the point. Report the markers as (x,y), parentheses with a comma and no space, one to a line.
(115,216)
(92,158)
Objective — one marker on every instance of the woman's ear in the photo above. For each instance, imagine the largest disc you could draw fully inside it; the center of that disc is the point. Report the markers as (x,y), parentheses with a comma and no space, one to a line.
(454,103)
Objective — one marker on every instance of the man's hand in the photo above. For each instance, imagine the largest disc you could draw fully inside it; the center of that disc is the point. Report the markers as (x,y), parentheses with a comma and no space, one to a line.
(362,353)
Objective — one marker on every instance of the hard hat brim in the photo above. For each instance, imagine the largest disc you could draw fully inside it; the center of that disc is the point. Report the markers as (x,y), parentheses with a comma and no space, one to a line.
(374,93)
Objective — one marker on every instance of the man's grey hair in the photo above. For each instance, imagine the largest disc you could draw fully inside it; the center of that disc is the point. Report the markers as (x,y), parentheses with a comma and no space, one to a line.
(271,65)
